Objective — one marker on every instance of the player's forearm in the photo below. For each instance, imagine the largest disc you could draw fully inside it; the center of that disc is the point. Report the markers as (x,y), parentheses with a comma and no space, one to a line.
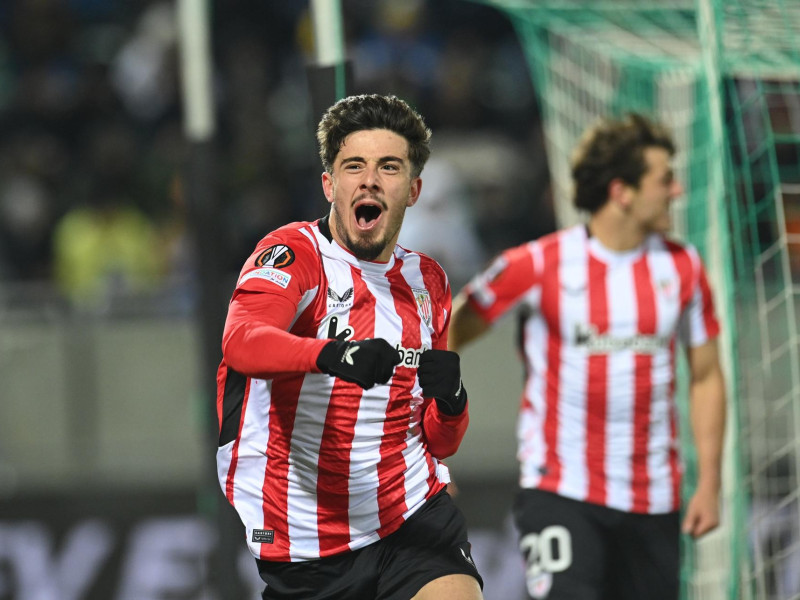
(707,416)
(442,432)
(261,350)
(465,324)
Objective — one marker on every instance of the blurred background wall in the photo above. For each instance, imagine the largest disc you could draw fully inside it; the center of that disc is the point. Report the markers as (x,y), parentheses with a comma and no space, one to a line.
(106,479)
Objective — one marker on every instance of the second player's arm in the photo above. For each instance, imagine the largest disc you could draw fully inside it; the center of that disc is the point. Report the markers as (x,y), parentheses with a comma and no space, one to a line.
(707,416)
(465,324)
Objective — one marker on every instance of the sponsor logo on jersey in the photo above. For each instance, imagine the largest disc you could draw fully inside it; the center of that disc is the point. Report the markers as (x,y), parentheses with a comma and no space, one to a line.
(278,256)
(424,309)
(409,357)
(586,336)
(344,300)
(264,536)
(269,274)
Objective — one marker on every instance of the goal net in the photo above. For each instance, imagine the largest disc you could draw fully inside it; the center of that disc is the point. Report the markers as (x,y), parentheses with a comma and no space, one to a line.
(724,75)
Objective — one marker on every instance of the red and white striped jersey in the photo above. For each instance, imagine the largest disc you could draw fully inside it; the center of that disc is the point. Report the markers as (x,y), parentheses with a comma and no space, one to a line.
(597,419)
(314,465)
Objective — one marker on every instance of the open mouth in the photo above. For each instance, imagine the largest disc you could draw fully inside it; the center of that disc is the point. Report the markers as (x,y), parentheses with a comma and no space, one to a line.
(368,214)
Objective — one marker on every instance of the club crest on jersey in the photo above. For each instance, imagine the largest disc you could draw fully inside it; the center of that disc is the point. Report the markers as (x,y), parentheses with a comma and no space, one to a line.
(424,308)
(278,256)
(667,287)
(337,301)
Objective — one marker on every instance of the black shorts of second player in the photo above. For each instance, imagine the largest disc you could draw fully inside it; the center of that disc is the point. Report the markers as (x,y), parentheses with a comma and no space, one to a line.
(431,544)
(580,551)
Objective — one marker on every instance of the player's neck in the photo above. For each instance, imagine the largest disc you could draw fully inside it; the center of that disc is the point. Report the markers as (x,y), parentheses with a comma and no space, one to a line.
(615,234)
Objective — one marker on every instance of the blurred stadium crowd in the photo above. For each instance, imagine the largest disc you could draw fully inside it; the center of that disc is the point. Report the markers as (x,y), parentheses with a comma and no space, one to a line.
(92,149)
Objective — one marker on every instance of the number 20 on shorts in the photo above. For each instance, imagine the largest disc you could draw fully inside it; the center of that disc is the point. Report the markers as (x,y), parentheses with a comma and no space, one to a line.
(548,551)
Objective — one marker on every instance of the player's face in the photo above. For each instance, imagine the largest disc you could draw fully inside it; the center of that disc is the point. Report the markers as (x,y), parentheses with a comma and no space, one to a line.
(370,187)
(657,189)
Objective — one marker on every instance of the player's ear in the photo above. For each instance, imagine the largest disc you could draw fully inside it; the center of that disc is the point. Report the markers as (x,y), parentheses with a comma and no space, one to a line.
(620,192)
(327,185)
(416,188)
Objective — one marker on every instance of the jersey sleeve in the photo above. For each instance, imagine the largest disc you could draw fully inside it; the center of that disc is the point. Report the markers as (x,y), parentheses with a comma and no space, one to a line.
(443,433)
(282,273)
(285,263)
(507,280)
(699,322)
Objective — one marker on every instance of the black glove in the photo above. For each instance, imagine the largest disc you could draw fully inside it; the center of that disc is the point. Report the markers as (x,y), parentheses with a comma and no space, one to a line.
(365,362)
(440,377)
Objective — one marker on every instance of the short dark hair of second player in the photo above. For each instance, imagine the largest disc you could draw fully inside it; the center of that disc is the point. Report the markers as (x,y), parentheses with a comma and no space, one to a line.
(614,149)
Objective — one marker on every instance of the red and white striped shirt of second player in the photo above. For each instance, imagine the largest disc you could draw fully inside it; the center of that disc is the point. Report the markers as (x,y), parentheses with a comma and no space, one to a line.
(597,420)
(314,465)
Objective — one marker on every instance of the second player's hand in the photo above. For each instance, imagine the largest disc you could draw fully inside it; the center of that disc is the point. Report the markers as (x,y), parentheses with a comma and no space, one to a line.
(702,514)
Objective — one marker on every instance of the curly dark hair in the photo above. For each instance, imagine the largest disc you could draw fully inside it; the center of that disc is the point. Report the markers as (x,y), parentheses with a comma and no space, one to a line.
(614,149)
(373,111)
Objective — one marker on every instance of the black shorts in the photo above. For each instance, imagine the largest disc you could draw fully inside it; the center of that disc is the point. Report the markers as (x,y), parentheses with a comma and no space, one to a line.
(577,550)
(431,544)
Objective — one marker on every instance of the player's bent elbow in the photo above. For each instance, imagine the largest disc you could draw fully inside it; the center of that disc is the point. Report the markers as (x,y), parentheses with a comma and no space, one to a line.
(444,434)
(440,452)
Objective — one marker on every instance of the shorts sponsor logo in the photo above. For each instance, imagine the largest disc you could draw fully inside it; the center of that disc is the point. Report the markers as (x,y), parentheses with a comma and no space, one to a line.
(467,557)
(263,536)
(273,275)
(278,256)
